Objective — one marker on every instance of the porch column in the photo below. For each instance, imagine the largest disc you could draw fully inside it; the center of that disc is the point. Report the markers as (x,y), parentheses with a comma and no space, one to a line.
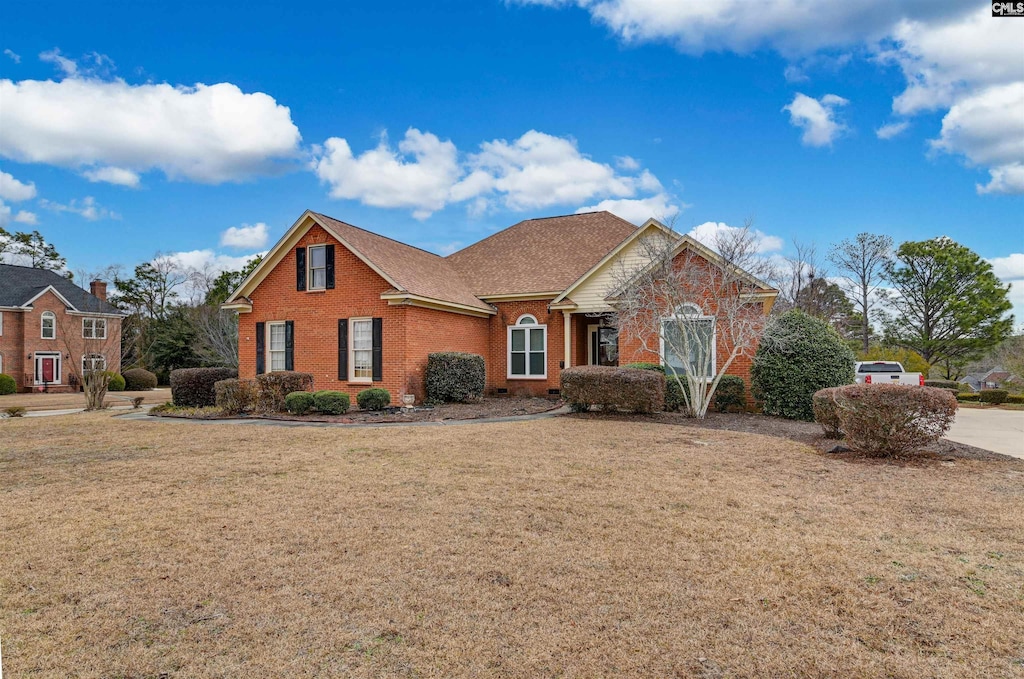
(567,324)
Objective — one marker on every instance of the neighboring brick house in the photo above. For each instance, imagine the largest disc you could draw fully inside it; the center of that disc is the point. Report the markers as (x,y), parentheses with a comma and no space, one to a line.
(357,309)
(47,322)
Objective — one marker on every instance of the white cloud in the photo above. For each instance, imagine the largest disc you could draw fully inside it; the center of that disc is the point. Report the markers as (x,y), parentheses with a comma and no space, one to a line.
(7,215)
(638,210)
(425,174)
(950,53)
(87,208)
(709,234)
(113,175)
(16,58)
(252,236)
(1004,179)
(891,130)
(1009,267)
(627,163)
(205,133)
(208,260)
(817,118)
(420,175)
(67,66)
(13,190)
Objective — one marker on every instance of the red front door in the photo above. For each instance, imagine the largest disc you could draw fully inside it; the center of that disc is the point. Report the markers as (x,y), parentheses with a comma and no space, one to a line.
(47,369)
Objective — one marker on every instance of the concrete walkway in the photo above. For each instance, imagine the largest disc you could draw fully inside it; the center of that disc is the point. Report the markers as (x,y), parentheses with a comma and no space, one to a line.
(1001,431)
(72,411)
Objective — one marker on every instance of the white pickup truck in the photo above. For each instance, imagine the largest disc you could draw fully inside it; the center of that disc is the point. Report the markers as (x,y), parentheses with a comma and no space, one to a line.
(886,372)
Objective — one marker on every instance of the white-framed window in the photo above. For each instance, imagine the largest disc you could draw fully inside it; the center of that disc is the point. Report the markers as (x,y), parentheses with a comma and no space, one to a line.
(1,364)
(47,367)
(276,346)
(1,324)
(48,322)
(91,362)
(360,338)
(317,257)
(94,328)
(688,341)
(527,349)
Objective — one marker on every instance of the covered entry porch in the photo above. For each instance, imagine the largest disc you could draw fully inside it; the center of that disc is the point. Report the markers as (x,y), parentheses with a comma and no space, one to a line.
(591,339)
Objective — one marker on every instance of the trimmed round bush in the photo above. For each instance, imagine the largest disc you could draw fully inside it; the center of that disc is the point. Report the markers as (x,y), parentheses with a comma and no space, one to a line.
(374,398)
(893,419)
(193,387)
(331,402)
(274,386)
(798,355)
(299,402)
(968,397)
(455,377)
(731,392)
(993,396)
(673,391)
(139,379)
(826,412)
(637,391)
(116,382)
(235,396)
(7,385)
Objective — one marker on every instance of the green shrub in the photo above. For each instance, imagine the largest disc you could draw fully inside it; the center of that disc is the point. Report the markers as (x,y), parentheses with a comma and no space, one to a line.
(193,387)
(273,387)
(941,384)
(892,419)
(299,402)
(673,391)
(235,396)
(7,385)
(331,402)
(1015,398)
(993,396)
(138,379)
(826,412)
(968,397)
(116,382)
(374,398)
(638,391)
(731,391)
(797,356)
(455,377)
(15,411)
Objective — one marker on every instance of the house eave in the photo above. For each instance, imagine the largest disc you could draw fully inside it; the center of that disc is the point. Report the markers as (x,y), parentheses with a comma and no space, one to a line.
(408,299)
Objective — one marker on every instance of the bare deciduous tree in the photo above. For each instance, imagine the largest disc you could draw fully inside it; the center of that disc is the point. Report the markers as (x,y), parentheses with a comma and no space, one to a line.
(90,361)
(216,336)
(862,262)
(699,308)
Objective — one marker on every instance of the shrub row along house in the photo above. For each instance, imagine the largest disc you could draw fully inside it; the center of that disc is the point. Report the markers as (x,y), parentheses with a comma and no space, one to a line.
(52,331)
(357,309)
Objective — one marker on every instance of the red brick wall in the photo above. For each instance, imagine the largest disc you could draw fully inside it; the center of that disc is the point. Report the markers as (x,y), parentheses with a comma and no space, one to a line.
(409,333)
(23,336)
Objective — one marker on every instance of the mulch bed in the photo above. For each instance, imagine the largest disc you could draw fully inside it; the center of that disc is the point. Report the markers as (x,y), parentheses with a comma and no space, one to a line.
(808,433)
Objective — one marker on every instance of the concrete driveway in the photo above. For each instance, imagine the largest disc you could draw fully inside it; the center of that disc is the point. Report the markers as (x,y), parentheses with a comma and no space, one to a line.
(1001,431)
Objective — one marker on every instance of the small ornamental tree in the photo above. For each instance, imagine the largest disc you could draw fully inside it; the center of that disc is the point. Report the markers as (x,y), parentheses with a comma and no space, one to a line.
(798,355)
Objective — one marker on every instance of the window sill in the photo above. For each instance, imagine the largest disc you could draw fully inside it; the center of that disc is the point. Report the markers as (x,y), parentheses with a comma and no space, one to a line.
(315,290)
(534,378)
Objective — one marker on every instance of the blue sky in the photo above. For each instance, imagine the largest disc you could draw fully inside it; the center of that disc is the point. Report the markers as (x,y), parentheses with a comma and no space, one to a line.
(130,128)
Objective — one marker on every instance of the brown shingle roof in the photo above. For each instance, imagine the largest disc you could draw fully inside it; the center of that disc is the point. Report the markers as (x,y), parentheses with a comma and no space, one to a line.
(415,271)
(539,255)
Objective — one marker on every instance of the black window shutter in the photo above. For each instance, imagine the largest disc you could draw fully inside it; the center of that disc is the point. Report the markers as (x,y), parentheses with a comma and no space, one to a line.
(343,349)
(300,268)
(330,266)
(289,345)
(378,363)
(261,336)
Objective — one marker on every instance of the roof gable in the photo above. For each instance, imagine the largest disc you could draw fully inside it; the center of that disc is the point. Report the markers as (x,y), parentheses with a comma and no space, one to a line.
(22,285)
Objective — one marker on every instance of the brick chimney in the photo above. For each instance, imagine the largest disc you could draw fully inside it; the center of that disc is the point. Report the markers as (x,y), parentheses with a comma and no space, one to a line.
(98,289)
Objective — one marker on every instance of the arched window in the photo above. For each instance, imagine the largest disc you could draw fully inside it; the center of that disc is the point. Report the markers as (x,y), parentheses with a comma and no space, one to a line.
(49,325)
(527,349)
(688,342)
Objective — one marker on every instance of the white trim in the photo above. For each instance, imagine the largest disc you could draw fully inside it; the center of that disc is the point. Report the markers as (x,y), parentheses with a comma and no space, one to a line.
(309,267)
(520,296)
(714,338)
(526,349)
(1,362)
(1,326)
(352,350)
(58,367)
(97,314)
(50,288)
(94,321)
(42,327)
(567,336)
(593,329)
(533,320)
(269,357)
(396,298)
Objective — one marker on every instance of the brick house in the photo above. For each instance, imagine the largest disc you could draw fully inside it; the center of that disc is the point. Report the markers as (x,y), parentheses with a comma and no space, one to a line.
(357,309)
(51,330)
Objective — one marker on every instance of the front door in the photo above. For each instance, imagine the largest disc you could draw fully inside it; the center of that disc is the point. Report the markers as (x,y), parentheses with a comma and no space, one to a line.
(603,347)
(47,369)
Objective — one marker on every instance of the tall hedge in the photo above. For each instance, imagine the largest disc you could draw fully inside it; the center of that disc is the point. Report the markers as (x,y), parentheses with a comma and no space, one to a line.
(194,386)
(453,376)
(798,355)
(609,388)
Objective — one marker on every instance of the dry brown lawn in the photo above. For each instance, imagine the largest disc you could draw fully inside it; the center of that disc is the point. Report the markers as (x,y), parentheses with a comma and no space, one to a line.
(48,401)
(553,548)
